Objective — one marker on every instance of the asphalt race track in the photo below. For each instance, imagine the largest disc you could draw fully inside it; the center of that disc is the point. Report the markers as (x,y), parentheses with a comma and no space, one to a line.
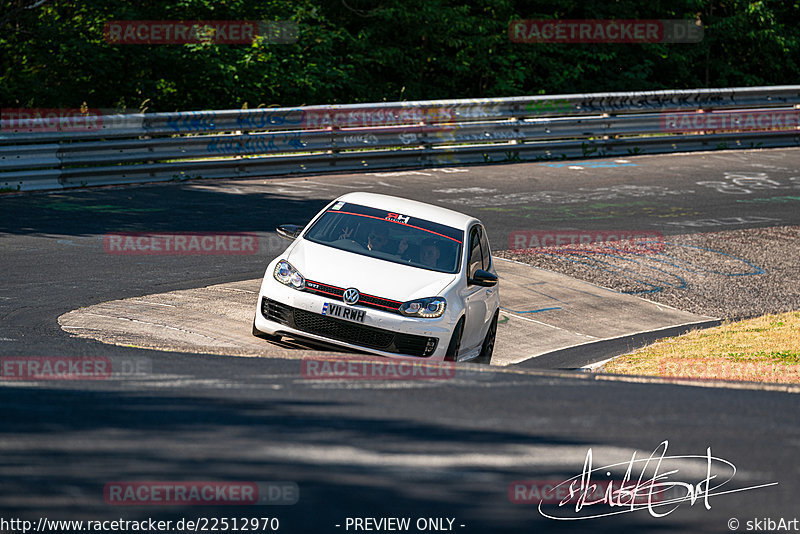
(454,448)
(215,319)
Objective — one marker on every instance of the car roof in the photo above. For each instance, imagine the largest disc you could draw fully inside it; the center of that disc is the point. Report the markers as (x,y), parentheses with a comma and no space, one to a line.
(413,208)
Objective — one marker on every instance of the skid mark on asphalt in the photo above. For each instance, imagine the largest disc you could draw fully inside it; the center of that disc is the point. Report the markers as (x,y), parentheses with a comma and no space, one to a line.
(531,311)
(530,287)
(569,331)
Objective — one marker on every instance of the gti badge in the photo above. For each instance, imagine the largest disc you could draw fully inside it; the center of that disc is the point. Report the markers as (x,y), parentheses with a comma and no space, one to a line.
(351,296)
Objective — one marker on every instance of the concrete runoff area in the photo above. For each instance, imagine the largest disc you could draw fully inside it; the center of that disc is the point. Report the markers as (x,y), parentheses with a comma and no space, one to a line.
(542,312)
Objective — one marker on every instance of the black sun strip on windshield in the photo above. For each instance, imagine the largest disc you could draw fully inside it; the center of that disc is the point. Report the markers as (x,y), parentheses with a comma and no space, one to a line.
(387,219)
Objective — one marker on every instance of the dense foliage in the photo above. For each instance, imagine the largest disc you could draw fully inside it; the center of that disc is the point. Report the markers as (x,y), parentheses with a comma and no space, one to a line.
(53,52)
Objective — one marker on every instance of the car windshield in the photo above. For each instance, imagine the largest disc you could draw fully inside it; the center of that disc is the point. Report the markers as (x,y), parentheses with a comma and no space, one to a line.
(394,237)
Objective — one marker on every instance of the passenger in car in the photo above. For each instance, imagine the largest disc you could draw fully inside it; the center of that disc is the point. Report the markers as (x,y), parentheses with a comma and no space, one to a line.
(429,253)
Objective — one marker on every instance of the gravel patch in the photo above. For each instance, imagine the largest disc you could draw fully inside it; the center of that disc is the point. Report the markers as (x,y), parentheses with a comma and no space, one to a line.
(730,274)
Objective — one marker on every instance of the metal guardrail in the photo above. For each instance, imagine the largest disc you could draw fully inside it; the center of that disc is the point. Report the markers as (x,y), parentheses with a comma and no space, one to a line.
(40,153)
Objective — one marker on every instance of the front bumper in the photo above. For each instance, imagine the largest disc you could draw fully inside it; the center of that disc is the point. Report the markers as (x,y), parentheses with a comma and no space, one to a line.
(285,311)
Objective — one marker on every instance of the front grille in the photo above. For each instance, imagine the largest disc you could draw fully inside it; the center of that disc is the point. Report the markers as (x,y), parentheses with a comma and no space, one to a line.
(324,289)
(347,331)
(368,301)
(379,303)
(356,334)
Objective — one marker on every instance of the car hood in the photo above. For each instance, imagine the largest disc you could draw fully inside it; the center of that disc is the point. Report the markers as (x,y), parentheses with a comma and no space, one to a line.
(375,277)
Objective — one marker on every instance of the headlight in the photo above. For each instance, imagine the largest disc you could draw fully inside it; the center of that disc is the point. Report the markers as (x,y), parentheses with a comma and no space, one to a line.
(288,275)
(429,307)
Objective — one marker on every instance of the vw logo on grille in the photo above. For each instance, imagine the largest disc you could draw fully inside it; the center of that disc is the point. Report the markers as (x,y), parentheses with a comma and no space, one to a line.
(351,296)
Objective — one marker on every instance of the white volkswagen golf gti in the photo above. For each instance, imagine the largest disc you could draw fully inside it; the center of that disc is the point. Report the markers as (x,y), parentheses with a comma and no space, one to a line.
(385,275)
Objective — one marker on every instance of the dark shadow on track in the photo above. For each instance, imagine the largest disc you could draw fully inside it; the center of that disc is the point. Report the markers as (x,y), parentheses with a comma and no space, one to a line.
(75,442)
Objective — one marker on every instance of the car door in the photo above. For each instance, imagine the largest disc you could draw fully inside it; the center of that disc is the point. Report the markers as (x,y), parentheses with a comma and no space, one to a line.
(476,297)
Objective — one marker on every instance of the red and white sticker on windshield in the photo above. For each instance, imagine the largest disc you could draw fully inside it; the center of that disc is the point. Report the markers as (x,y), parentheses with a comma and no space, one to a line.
(398,218)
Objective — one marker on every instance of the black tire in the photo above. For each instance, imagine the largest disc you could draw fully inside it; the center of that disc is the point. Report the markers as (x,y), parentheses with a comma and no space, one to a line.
(488,342)
(455,342)
(262,335)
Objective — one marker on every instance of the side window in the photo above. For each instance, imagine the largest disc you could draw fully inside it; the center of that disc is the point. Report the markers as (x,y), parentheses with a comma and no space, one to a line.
(475,260)
(487,254)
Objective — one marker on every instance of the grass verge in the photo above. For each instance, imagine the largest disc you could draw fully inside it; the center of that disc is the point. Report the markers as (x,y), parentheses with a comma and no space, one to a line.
(763,349)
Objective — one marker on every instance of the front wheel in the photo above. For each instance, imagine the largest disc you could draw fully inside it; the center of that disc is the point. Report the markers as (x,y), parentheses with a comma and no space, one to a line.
(455,342)
(488,343)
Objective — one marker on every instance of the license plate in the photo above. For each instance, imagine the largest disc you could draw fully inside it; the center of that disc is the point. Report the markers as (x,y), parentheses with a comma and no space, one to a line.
(343,312)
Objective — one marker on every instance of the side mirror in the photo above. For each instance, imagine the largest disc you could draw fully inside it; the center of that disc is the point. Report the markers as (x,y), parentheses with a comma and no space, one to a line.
(289,231)
(483,278)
